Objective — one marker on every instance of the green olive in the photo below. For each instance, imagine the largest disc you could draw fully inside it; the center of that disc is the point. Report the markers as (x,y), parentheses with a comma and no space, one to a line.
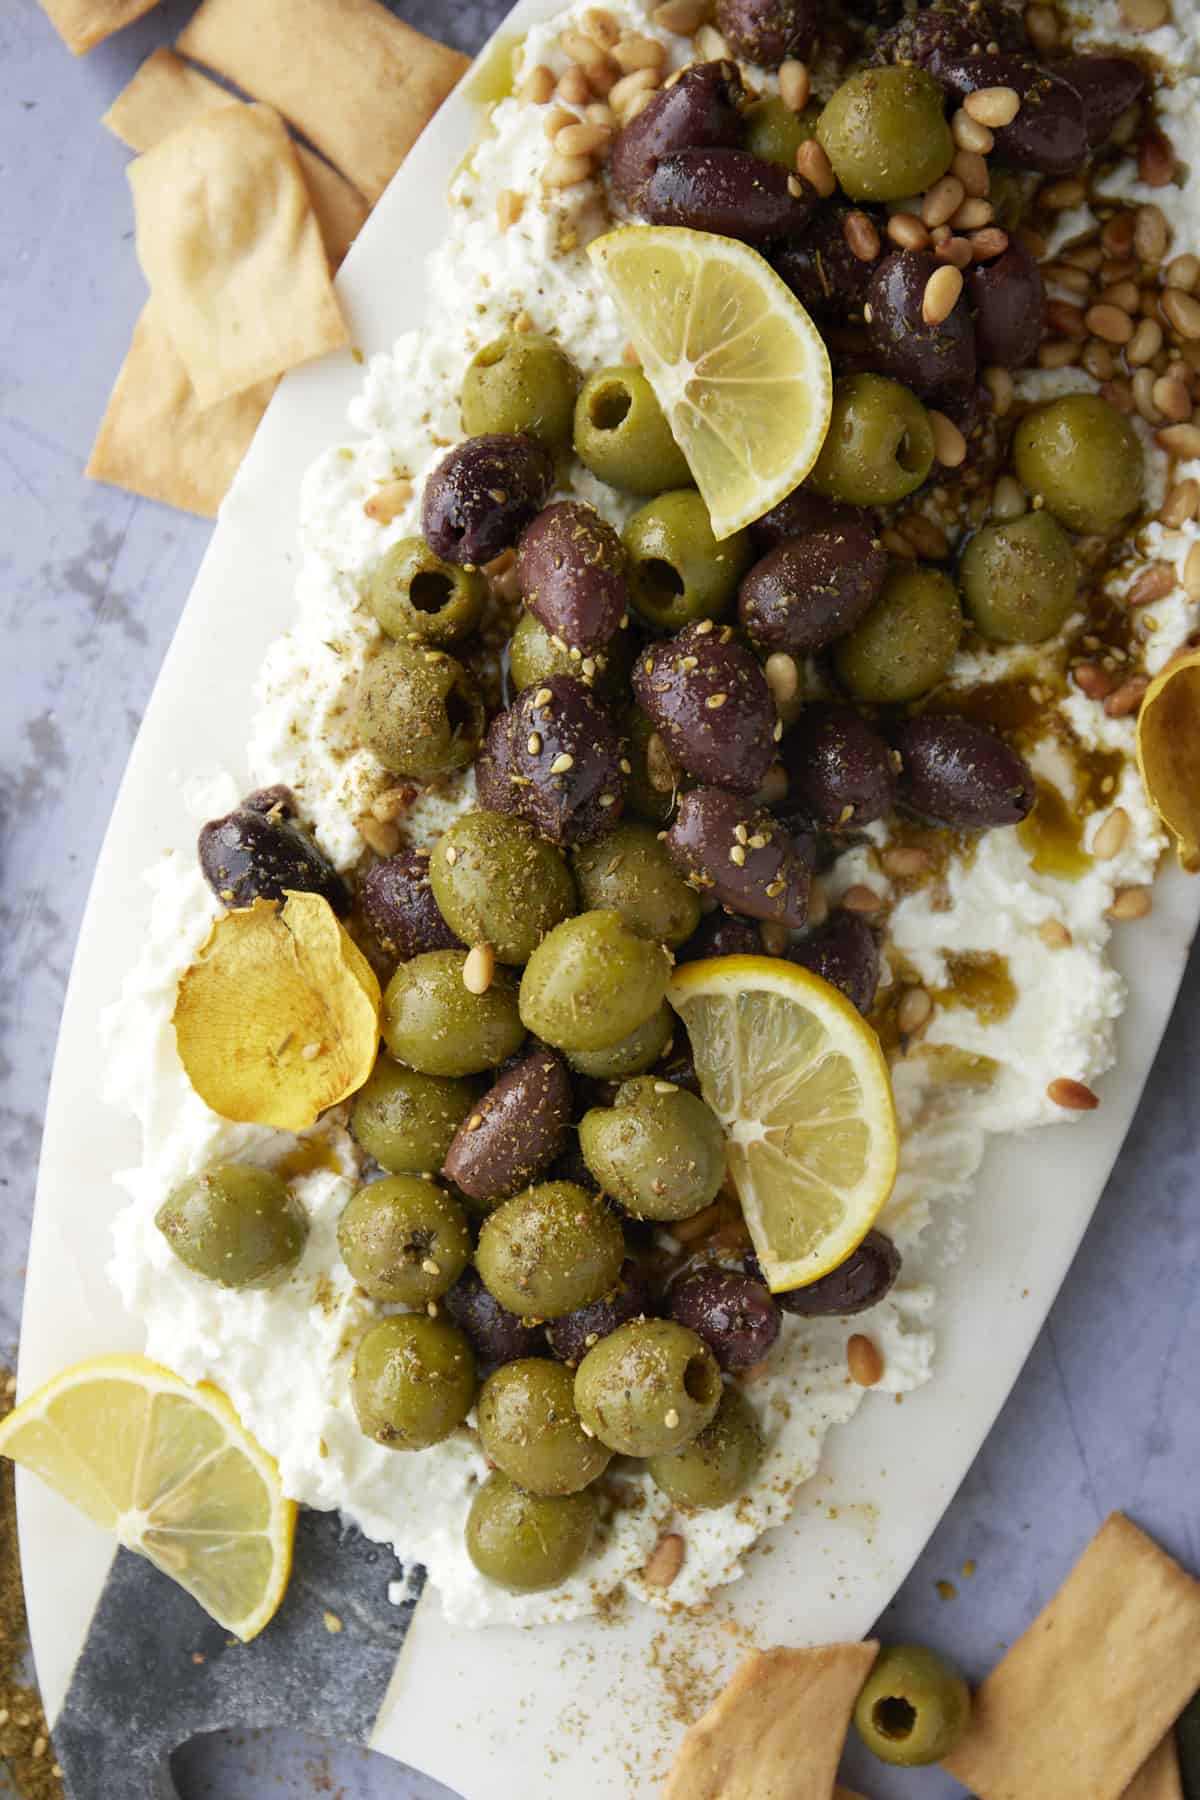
(497,882)
(549,1250)
(419,711)
(414,594)
(657,1149)
(527,1542)
(914,1706)
(404,1239)
(622,435)
(642,797)
(528,1427)
(907,641)
(591,981)
(407,1120)
(678,572)
(885,132)
(719,1463)
(629,872)
(235,1224)
(521,383)
(648,1388)
(413,1381)
(1084,459)
(1019,579)
(533,656)
(434,1024)
(879,446)
(645,1045)
(773,130)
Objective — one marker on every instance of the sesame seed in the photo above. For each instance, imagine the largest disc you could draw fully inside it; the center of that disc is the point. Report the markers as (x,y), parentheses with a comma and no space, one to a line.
(671,1419)
(542,696)
(430,1267)
(533,744)
(715,700)
(737,855)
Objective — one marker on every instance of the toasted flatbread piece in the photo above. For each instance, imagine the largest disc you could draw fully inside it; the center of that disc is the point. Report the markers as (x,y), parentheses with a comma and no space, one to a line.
(1159,1777)
(155,440)
(776,1730)
(1087,1694)
(82,24)
(166,94)
(229,244)
(357,81)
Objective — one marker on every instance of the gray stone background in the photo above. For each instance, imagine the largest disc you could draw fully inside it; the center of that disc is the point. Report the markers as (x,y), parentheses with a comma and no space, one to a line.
(91,584)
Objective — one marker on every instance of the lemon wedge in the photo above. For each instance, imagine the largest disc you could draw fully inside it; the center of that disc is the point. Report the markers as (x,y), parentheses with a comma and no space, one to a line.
(799,1082)
(173,1471)
(738,366)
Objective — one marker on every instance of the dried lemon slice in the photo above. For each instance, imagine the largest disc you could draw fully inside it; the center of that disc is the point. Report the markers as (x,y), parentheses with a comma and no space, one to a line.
(278,1017)
(1168,752)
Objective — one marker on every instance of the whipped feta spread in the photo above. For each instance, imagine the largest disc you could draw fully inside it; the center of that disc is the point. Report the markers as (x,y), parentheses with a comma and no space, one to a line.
(284,1355)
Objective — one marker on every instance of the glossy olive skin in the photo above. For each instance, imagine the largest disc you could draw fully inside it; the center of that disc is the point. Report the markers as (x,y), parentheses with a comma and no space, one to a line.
(564,761)
(700,110)
(648,1388)
(730,192)
(497,882)
(844,952)
(419,711)
(661,1154)
(959,773)
(413,1381)
(885,132)
(533,657)
(406,1120)
(571,568)
(906,642)
(527,1542)
(678,572)
(719,1463)
(731,1311)
(400,908)
(404,1239)
(528,1427)
(461,517)
(721,934)
(930,359)
(914,1707)
(514,1132)
(823,272)
(1049,133)
(235,1224)
(549,1250)
(709,700)
(571,1337)
(414,594)
(258,852)
(1084,459)
(802,511)
(879,447)
(839,770)
(811,589)
(629,872)
(592,981)
(632,1054)
(774,131)
(868,1273)
(1107,86)
(767,32)
(742,856)
(496,1335)
(1008,299)
(622,434)
(431,1022)
(1019,579)
(521,383)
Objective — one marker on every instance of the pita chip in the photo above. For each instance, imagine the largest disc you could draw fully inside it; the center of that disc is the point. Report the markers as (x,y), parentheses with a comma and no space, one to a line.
(1159,1777)
(845,1793)
(359,83)
(82,24)
(776,1730)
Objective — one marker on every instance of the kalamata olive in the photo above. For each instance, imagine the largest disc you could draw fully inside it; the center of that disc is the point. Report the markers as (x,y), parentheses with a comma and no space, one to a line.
(679,1065)
(1048,133)
(840,772)
(1008,299)
(497,1335)
(811,589)
(802,511)
(573,1335)
(482,495)
(767,32)
(1107,86)
(571,570)
(708,699)
(860,1282)
(931,37)
(494,787)
(927,358)
(400,908)
(720,934)
(959,773)
(725,846)
(822,270)
(258,852)
(700,111)
(731,1311)
(566,761)
(730,192)
(845,953)
(517,1129)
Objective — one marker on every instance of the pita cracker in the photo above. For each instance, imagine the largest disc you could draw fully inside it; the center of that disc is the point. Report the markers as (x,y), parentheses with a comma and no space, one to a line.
(1089,1691)
(776,1730)
(166,94)
(228,242)
(155,440)
(1159,1777)
(359,83)
(82,24)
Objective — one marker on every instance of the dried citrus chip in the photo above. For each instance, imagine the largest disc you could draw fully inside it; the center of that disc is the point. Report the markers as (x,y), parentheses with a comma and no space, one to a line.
(278,1017)
(1168,752)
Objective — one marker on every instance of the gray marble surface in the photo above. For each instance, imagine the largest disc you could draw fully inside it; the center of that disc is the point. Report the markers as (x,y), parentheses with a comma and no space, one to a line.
(91,584)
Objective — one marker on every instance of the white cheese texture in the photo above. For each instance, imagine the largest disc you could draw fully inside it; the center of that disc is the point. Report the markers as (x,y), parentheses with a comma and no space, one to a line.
(283,1355)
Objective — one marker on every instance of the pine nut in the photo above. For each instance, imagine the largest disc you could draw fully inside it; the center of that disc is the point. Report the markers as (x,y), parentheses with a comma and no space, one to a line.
(906,230)
(1066,319)
(972,170)
(1180,440)
(636,52)
(861,236)
(1041,26)
(1181,504)
(710,45)
(1131,903)
(1072,1094)
(573,87)
(783,677)
(941,295)
(969,134)
(1008,498)
(949,444)
(1061,196)
(583,139)
(1076,281)
(915,1009)
(972,215)
(567,171)
(1125,294)
(584,50)
(601,27)
(942,201)
(638,104)
(538,86)
(905,861)
(1150,233)
(642,81)
(1059,353)
(1183,272)
(683,16)
(556,120)
(1145,15)
(1092,680)
(898,544)
(479,969)
(954,250)
(1182,311)
(1087,257)
(927,539)
(860,899)
(864,1361)
(1143,396)
(994,107)
(1055,935)
(1116,235)
(380,835)
(1127,698)
(1154,583)
(816,168)
(664,1561)
(795,84)
(1155,160)
(1112,836)
(660,772)
(989,243)
(393,803)
(1001,387)
(598,112)
(1109,323)
(1173,398)
(389,501)
(1191,573)
(1145,343)
(1099,360)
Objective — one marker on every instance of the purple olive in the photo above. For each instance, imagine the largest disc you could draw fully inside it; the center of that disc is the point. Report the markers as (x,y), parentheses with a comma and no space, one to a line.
(802,511)
(845,953)
(724,846)
(708,699)
(721,934)
(700,111)
(927,358)
(867,1274)
(400,908)
(767,32)
(734,1314)
(1107,87)
(822,270)
(811,589)
(515,1131)
(959,773)
(571,570)
(1008,299)
(480,498)
(258,852)
(1048,133)
(840,771)
(496,1335)
(575,1333)
(730,192)
(566,761)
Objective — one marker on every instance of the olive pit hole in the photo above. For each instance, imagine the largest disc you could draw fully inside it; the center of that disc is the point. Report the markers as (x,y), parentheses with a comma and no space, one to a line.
(661,581)
(609,407)
(908,454)
(697,1379)
(430,590)
(894,1718)
(459,712)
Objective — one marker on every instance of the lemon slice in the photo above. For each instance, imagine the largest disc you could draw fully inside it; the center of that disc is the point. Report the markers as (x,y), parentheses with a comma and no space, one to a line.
(799,1082)
(738,366)
(173,1471)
